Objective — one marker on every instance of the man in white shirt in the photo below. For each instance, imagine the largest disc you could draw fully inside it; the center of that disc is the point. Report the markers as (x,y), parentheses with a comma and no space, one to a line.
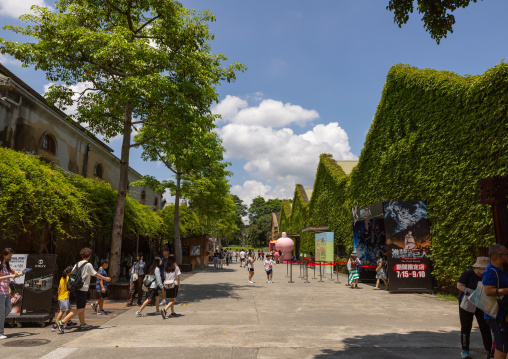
(242,257)
(269,267)
(87,271)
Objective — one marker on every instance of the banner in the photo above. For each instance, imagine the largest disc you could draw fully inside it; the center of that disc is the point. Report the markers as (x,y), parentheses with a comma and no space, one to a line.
(38,291)
(18,263)
(408,241)
(324,249)
(369,238)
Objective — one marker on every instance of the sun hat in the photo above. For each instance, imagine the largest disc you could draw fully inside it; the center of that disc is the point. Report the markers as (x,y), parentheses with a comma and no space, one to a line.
(353,253)
(481,262)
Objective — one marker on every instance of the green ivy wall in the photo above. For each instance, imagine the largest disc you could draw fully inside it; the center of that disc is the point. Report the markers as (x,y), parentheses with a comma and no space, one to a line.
(434,135)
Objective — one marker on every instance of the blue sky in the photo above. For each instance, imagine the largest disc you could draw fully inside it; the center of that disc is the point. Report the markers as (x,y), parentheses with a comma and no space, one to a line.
(315,77)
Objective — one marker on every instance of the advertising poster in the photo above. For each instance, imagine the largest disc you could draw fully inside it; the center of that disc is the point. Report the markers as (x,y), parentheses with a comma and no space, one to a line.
(369,238)
(18,263)
(38,291)
(408,241)
(324,249)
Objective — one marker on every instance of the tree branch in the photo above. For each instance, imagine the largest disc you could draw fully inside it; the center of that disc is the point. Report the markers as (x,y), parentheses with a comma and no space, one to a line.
(143,142)
(147,23)
(167,164)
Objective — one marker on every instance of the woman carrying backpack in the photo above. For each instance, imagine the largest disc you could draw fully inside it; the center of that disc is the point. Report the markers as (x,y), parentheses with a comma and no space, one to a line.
(352,266)
(171,284)
(153,283)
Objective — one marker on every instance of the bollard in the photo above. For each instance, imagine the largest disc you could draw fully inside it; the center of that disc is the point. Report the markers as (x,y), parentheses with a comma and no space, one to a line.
(291,273)
(287,268)
(314,270)
(331,272)
(300,270)
(320,273)
(337,274)
(306,273)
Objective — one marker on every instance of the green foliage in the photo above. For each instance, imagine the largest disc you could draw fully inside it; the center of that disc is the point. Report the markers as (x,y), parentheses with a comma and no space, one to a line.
(436,14)
(189,224)
(434,135)
(260,217)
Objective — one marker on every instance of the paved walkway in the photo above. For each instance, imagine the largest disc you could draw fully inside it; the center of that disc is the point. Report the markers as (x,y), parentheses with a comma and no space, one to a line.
(222,316)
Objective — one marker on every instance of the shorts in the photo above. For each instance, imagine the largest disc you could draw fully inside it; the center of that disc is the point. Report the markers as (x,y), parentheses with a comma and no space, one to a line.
(81,297)
(102,295)
(500,334)
(269,271)
(64,304)
(251,269)
(152,293)
(242,259)
(172,293)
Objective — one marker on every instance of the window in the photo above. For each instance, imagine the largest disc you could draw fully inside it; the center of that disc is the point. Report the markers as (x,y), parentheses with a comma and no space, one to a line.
(155,204)
(48,143)
(98,171)
(143,197)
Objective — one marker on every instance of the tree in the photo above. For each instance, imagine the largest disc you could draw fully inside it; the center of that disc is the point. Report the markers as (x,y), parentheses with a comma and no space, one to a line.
(143,63)
(436,17)
(240,212)
(260,212)
(196,162)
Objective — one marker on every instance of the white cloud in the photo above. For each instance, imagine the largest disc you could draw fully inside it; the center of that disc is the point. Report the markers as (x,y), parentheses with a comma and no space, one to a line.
(16,8)
(268,113)
(277,158)
(7,60)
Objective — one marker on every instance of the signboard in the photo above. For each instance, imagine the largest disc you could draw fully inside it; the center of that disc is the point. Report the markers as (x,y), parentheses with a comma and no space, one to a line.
(324,249)
(38,290)
(408,241)
(185,250)
(18,263)
(196,251)
(369,238)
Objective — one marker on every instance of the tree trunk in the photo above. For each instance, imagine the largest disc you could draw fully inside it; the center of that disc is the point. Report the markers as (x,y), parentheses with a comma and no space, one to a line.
(116,239)
(177,242)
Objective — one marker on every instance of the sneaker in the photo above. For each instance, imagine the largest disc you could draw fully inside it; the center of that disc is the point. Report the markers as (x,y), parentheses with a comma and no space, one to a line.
(174,314)
(163,313)
(59,326)
(162,302)
(94,307)
(3,336)
(84,327)
(139,314)
(54,327)
(465,354)
(102,312)
(157,313)
(251,282)
(71,323)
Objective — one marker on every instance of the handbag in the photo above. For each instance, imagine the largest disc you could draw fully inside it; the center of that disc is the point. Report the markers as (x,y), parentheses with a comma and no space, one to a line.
(487,304)
(169,283)
(135,276)
(147,283)
(467,305)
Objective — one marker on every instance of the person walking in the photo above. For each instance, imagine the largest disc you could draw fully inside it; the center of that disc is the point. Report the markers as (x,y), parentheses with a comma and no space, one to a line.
(136,281)
(172,285)
(87,271)
(250,265)
(236,256)
(155,283)
(165,255)
(495,282)
(216,259)
(102,289)
(6,273)
(381,271)
(352,266)
(466,284)
(269,268)
(63,298)
(242,257)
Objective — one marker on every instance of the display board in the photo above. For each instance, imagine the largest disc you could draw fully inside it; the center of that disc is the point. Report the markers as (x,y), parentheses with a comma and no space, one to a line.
(408,241)
(18,263)
(38,290)
(324,249)
(369,238)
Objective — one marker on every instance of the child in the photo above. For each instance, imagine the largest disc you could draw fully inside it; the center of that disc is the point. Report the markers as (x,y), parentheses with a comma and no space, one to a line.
(102,289)
(250,265)
(268,268)
(63,297)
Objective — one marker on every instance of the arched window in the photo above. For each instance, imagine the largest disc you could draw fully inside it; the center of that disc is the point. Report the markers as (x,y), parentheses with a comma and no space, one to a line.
(143,197)
(98,171)
(48,143)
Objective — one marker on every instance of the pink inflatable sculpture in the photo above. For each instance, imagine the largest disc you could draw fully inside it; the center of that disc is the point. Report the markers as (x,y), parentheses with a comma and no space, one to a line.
(285,245)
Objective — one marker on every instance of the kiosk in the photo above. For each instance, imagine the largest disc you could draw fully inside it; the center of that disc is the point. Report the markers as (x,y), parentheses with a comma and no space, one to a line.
(401,229)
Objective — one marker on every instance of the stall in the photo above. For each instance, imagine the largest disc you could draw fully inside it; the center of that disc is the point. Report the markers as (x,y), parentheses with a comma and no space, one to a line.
(32,294)
(400,229)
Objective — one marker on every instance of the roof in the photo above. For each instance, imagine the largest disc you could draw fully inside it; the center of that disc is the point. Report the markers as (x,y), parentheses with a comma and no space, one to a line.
(347,166)
(308,191)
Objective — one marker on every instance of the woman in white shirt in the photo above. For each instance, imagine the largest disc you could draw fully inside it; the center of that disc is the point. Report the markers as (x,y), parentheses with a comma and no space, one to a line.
(154,277)
(171,284)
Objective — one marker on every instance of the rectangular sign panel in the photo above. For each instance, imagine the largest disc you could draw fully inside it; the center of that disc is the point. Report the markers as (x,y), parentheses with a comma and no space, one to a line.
(38,291)
(408,242)
(369,238)
(18,263)
(324,249)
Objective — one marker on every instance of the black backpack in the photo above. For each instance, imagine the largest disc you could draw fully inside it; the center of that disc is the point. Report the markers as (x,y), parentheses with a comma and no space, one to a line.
(75,281)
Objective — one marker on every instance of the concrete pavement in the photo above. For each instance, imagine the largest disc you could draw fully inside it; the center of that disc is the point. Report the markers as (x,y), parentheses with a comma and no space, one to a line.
(222,316)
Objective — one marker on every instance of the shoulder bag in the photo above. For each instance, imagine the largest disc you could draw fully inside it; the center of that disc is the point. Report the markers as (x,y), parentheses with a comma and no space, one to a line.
(487,304)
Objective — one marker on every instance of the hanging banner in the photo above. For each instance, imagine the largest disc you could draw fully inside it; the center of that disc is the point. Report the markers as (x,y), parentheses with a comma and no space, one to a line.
(18,263)
(408,241)
(38,291)
(324,249)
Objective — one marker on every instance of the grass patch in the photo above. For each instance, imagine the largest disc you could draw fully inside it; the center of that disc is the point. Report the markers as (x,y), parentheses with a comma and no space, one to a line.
(446,296)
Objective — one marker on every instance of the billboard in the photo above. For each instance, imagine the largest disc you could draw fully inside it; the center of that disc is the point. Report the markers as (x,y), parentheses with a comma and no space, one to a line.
(38,290)
(324,249)
(408,241)
(369,238)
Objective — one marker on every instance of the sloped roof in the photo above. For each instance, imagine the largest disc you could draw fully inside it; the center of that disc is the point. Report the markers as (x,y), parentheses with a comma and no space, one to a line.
(347,166)
(308,191)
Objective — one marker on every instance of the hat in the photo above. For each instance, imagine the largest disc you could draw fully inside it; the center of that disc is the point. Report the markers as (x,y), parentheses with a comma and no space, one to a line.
(481,262)
(353,253)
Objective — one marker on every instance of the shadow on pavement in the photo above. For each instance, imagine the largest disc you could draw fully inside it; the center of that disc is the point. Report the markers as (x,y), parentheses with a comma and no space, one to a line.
(192,293)
(414,345)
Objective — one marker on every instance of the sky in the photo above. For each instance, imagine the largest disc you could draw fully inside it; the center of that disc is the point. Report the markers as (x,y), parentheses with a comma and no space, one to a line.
(315,75)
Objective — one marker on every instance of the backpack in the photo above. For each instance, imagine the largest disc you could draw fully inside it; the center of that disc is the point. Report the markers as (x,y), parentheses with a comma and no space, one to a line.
(75,281)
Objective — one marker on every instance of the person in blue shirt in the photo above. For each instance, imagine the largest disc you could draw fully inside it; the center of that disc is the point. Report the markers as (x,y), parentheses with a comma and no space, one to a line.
(102,288)
(495,282)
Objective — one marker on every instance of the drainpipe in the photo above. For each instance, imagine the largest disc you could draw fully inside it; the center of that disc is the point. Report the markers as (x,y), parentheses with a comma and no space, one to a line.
(87,155)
